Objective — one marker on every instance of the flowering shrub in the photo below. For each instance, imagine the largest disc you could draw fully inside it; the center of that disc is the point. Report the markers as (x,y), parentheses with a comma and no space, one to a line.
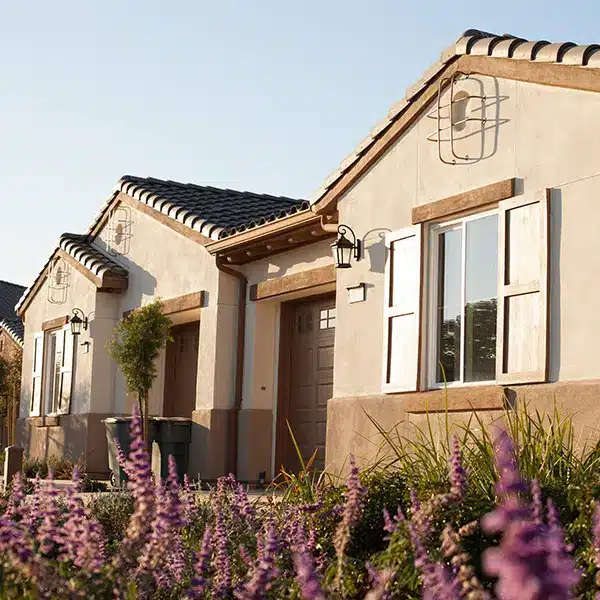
(163,540)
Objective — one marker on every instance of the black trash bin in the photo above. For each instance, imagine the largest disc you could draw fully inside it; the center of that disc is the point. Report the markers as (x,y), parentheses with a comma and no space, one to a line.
(118,428)
(173,436)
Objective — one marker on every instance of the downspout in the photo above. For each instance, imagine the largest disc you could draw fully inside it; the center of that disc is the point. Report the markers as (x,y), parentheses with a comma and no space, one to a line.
(239,365)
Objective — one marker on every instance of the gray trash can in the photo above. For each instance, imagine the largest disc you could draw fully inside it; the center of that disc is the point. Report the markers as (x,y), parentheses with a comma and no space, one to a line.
(173,436)
(118,428)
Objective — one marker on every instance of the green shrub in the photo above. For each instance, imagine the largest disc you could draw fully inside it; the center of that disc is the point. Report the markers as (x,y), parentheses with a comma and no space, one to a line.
(61,467)
(113,511)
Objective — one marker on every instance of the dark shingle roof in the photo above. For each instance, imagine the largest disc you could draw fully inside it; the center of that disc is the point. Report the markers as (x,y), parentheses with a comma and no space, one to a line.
(9,296)
(214,212)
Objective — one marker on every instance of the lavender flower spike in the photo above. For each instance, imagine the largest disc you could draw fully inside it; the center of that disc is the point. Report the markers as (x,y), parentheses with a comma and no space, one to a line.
(307,577)
(355,498)
(537,507)
(200,581)
(596,534)
(458,475)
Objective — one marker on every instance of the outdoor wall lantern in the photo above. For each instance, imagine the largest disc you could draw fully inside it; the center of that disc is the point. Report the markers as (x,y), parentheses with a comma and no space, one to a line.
(78,321)
(344,249)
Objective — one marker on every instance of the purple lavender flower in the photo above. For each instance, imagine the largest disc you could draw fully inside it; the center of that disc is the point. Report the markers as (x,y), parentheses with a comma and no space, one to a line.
(17,508)
(82,538)
(458,475)
(355,495)
(510,482)
(380,583)
(307,577)
(200,581)
(391,525)
(537,507)
(164,543)
(531,562)
(48,532)
(222,581)
(121,458)
(595,533)
(510,486)
(265,571)
(142,488)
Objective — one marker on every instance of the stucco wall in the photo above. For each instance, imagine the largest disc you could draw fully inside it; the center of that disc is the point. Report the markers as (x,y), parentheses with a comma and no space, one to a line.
(164,264)
(545,137)
(261,361)
(81,293)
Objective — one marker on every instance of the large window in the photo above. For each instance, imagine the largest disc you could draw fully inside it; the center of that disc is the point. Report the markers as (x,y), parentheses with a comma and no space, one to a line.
(57,371)
(464,298)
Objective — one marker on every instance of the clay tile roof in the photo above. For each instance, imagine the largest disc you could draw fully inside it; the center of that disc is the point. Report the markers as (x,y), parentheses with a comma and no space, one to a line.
(91,258)
(476,43)
(214,212)
(9,321)
(88,256)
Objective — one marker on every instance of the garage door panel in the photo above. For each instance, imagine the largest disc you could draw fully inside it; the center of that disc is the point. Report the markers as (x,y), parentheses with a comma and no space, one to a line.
(311,379)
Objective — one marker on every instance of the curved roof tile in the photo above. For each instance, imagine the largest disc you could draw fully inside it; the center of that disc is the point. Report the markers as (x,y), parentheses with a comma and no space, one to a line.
(214,212)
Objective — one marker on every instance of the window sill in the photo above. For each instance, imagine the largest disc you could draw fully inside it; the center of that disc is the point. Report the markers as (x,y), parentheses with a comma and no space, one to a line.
(45,421)
(455,398)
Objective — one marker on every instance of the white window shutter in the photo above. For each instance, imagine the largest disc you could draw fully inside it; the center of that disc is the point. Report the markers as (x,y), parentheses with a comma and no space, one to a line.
(402,310)
(66,372)
(36,377)
(522,330)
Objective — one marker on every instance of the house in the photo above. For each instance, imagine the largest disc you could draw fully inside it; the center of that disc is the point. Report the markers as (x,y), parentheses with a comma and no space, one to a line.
(464,232)
(11,327)
(151,239)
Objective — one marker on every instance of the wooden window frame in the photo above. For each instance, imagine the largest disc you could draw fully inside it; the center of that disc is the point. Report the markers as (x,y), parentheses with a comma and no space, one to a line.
(47,404)
(433,232)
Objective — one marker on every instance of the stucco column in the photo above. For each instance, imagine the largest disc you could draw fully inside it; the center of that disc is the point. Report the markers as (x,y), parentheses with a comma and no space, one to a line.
(212,447)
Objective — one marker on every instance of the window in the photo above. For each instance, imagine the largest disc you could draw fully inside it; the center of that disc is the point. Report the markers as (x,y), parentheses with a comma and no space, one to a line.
(479,314)
(57,372)
(464,297)
(36,383)
(327,319)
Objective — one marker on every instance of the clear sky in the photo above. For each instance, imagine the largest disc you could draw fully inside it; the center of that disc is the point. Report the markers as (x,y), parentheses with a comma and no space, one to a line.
(262,95)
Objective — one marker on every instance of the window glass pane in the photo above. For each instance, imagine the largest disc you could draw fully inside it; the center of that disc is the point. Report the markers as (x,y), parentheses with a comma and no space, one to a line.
(449,305)
(481,290)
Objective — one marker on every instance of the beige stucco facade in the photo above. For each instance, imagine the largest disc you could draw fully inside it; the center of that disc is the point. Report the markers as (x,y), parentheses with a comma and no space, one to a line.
(161,263)
(542,136)
(258,414)
(545,137)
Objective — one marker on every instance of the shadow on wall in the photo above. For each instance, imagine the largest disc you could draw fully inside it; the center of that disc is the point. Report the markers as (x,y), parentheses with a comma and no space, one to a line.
(67,440)
(375,250)
(554,286)
(481,108)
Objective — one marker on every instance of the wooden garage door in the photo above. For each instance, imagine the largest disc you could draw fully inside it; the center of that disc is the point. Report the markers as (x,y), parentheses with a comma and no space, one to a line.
(181,370)
(311,379)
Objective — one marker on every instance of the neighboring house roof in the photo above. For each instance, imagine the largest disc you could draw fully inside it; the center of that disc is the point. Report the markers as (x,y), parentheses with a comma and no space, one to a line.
(214,212)
(472,43)
(9,321)
(77,249)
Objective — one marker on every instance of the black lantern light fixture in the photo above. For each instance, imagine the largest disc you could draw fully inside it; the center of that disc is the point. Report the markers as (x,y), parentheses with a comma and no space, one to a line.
(344,249)
(78,321)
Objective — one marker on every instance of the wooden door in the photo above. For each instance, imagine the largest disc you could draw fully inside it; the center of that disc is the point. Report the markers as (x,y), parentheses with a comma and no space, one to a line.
(181,370)
(311,342)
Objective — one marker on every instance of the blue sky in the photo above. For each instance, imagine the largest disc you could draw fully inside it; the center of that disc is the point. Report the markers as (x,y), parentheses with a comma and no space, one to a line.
(260,95)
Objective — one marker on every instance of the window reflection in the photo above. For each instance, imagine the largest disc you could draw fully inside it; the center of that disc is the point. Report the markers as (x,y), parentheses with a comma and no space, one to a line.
(449,305)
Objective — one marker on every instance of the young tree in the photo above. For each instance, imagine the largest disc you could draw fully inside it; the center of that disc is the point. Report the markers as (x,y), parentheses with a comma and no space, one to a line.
(138,339)
(10,392)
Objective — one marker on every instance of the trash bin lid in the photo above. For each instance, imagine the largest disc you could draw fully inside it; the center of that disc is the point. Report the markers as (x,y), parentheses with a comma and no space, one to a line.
(116,420)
